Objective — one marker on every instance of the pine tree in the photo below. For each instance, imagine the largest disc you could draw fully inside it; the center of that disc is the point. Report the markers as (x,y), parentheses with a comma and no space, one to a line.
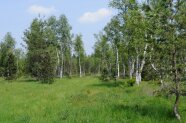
(41,60)
(10,67)
(8,60)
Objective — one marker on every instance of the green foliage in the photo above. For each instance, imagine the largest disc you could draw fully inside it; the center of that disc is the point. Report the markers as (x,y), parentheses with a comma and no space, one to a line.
(102,53)
(2,71)
(79,52)
(10,67)
(105,75)
(41,58)
(131,82)
(64,45)
(113,73)
(20,62)
(78,46)
(48,64)
(7,58)
(149,73)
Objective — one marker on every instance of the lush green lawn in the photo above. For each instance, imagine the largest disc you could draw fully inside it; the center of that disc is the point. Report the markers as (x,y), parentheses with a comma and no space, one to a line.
(83,100)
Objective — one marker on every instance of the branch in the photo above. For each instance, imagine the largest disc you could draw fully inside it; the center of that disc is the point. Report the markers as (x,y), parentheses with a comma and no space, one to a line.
(153,66)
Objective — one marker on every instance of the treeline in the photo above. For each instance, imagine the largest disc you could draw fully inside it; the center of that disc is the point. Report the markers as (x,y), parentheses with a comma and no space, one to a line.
(51,51)
(144,41)
(140,42)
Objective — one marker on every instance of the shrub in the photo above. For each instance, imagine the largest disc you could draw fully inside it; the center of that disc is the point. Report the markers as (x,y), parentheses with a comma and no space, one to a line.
(1,71)
(131,82)
(105,76)
(113,73)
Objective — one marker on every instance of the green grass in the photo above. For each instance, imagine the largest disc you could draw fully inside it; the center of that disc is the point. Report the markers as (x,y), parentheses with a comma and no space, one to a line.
(83,100)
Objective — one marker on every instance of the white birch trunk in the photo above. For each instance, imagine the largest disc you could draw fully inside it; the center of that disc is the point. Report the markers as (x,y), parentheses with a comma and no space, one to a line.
(80,74)
(131,68)
(58,61)
(123,70)
(156,70)
(117,62)
(137,70)
(160,76)
(139,67)
(61,66)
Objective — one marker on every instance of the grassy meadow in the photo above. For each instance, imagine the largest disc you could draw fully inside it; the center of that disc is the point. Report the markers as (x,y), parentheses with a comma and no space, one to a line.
(84,100)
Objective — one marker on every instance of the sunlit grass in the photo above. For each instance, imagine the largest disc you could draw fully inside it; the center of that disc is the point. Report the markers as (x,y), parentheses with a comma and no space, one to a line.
(83,100)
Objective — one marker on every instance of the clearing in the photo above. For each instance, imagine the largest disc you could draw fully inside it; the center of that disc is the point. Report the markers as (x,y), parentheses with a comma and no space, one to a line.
(84,100)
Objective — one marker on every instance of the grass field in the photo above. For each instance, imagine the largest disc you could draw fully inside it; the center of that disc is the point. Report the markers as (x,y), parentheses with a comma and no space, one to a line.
(83,100)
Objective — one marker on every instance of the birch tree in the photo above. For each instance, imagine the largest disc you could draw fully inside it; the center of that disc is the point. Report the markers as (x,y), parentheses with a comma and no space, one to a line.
(102,52)
(79,51)
(135,31)
(65,44)
(113,34)
(168,45)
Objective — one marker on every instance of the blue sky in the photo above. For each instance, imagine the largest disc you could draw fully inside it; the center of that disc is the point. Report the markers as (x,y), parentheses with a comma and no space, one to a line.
(85,16)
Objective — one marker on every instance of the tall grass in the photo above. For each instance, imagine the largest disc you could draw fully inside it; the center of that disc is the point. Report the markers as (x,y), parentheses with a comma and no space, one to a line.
(83,100)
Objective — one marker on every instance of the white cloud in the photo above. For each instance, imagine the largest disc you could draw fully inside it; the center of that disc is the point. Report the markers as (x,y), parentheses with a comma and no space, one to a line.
(36,9)
(92,17)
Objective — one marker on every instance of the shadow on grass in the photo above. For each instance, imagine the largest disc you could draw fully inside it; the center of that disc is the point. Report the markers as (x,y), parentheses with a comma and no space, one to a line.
(27,80)
(155,112)
(107,84)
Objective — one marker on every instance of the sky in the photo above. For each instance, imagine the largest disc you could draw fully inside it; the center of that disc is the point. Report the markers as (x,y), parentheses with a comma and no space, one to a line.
(85,16)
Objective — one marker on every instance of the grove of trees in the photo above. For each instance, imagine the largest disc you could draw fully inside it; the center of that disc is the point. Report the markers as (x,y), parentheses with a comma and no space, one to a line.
(143,41)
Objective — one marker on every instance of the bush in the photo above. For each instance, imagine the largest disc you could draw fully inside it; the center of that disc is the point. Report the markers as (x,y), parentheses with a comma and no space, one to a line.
(105,76)
(1,71)
(131,82)
(113,73)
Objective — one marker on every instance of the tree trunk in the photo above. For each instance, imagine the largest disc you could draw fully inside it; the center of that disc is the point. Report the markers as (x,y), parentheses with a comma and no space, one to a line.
(117,62)
(123,64)
(137,70)
(143,60)
(177,94)
(61,72)
(61,66)
(176,113)
(131,68)
(158,72)
(139,67)
(123,70)
(80,74)
(70,67)
(58,63)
